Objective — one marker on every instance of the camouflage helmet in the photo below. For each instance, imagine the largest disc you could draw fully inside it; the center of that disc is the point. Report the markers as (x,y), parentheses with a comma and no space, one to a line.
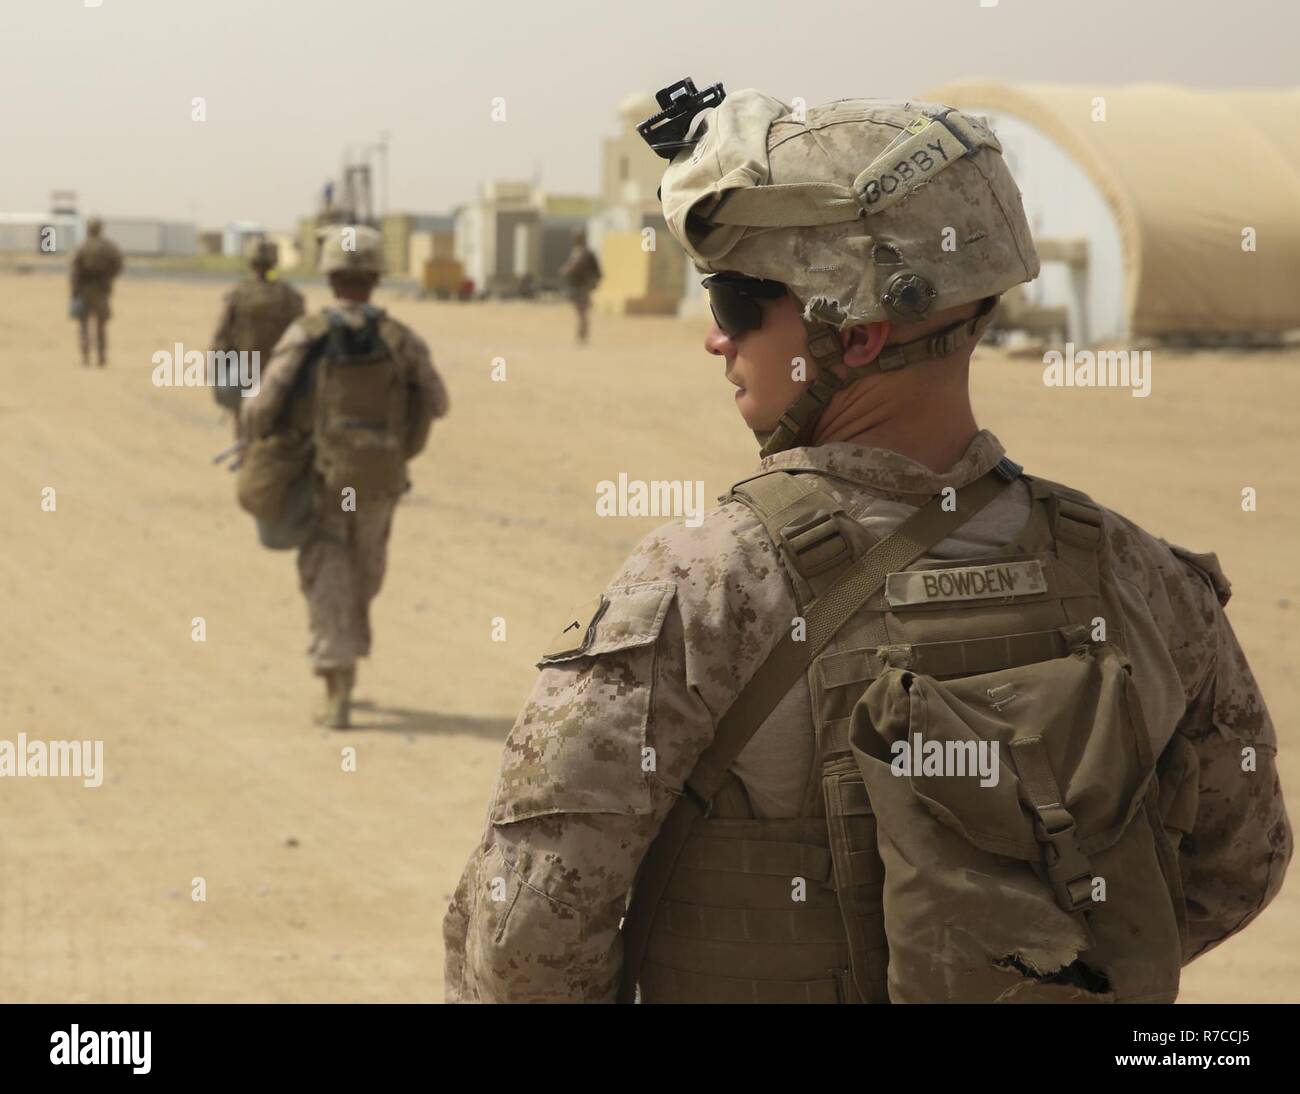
(865,209)
(264,252)
(351,247)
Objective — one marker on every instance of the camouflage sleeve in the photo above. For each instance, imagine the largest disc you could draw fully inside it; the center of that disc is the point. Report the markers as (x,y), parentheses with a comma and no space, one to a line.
(258,413)
(115,265)
(1237,852)
(429,399)
(599,753)
(297,305)
(1221,799)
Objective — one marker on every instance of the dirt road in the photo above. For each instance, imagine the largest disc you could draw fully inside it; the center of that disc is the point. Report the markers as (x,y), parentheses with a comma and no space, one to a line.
(325,884)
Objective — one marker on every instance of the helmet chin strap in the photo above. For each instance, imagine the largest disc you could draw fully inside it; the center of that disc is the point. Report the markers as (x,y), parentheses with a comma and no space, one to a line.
(797,424)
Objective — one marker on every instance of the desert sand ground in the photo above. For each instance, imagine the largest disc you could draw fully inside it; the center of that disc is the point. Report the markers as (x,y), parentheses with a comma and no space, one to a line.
(329,885)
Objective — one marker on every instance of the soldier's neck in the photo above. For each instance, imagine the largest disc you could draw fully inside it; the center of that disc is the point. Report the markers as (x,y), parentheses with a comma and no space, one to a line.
(935,432)
(922,412)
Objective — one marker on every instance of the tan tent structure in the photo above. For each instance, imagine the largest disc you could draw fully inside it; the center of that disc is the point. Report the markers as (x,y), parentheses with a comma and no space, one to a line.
(1193,179)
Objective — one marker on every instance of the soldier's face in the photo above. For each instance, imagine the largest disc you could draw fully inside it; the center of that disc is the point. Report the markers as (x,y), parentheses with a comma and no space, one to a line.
(762,363)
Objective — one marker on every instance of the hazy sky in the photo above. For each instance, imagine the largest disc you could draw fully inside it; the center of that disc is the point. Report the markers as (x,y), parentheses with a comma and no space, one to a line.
(98,99)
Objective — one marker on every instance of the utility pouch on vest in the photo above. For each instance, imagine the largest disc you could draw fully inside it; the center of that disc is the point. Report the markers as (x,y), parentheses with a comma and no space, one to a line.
(1018,821)
(360,412)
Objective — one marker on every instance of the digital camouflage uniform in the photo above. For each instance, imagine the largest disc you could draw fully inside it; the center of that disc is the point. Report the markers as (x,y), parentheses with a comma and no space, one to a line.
(95,266)
(693,613)
(849,206)
(254,314)
(257,311)
(342,568)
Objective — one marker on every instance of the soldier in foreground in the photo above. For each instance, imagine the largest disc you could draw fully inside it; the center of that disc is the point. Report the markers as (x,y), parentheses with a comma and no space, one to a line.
(254,314)
(355,391)
(581,273)
(94,269)
(897,722)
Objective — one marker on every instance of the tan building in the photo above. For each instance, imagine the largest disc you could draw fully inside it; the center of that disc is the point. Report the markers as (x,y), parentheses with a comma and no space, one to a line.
(308,245)
(493,236)
(513,239)
(288,247)
(646,273)
(411,239)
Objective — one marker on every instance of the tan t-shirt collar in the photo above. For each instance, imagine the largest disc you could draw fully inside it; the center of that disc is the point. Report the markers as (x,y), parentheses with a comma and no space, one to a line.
(886,471)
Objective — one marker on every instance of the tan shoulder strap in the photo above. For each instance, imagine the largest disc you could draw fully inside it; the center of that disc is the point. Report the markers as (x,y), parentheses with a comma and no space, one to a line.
(802,519)
(778,674)
(1079,537)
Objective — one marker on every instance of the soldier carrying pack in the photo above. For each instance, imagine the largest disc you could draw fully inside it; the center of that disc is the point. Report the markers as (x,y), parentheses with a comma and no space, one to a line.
(344,427)
(255,315)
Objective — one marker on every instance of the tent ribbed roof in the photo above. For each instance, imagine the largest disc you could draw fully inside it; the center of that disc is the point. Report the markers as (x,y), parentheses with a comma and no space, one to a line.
(1185,171)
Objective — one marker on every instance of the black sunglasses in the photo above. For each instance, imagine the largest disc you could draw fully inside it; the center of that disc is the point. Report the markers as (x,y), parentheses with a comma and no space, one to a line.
(734,300)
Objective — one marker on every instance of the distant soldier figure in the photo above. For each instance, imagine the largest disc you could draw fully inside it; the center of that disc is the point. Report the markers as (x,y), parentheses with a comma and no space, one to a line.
(256,312)
(581,272)
(94,268)
(360,388)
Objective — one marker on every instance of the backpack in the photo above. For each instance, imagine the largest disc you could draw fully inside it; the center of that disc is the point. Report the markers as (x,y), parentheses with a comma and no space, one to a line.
(343,427)
(361,407)
(275,487)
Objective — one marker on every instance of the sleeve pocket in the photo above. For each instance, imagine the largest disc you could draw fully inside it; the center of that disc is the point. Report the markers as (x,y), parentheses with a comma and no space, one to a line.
(623,618)
(579,744)
(520,935)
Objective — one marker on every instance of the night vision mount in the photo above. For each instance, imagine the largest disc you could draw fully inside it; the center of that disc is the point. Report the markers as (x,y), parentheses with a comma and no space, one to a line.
(665,133)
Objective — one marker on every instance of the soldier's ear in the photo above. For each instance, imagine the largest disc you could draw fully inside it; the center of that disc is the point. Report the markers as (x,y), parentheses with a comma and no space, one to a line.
(863,343)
